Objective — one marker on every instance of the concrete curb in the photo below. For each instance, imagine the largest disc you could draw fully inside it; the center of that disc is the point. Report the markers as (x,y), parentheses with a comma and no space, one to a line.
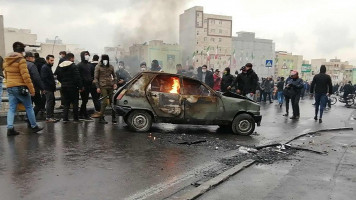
(196,192)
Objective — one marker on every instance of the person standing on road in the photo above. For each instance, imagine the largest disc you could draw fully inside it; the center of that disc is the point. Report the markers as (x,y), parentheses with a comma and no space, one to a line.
(122,75)
(348,89)
(206,76)
(227,80)
(1,79)
(280,87)
(62,58)
(269,84)
(294,86)
(85,75)
(47,78)
(93,93)
(217,80)
(69,77)
(105,80)
(247,82)
(323,87)
(36,80)
(19,88)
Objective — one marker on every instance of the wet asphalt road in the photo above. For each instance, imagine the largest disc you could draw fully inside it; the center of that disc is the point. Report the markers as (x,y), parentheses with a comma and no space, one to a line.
(93,161)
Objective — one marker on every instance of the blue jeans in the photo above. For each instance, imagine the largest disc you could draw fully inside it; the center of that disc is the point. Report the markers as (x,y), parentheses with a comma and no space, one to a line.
(15,98)
(280,97)
(0,92)
(320,100)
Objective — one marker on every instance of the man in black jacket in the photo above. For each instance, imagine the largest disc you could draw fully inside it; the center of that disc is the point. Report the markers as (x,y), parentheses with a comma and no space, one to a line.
(36,80)
(323,87)
(247,82)
(84,68)
(62,57)
(69,77)
(49,87)
(39,62)
(227,80)
(206,76)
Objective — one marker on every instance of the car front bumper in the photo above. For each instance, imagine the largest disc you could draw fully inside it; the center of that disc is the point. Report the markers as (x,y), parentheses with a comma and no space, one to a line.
(258,119)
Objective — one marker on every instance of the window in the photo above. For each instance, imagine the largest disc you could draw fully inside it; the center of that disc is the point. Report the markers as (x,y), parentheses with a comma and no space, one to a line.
(212,30)
(220,39)
(197,32)
(212,39)
(220,31)
(165,84)
(220,22)
(205,21)
(194,87)
(205,30)
(205,39)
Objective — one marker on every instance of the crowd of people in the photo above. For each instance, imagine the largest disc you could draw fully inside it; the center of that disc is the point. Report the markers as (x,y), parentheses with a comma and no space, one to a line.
(30,80)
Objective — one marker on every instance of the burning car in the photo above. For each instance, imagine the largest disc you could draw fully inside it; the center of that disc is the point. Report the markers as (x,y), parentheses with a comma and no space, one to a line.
(157,97)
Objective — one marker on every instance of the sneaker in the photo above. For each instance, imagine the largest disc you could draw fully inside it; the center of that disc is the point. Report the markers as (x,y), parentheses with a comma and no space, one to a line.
(12,132)
(51,120)
(96,115)
(82,118)
(286,115)
(315,118)
(60,107)
(114,122)
(36,129)
(65,121)
(294,117)
(88,119)
(102,120)
(320,121)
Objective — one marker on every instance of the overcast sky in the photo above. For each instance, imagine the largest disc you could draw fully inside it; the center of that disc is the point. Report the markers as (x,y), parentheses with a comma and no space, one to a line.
(312,28)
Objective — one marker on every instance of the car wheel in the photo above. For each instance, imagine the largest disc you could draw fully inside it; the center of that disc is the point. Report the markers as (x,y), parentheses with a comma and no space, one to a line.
(139,120)
(243,124)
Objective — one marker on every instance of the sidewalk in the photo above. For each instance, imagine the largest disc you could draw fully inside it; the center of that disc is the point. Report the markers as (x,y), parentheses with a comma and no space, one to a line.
(306,176)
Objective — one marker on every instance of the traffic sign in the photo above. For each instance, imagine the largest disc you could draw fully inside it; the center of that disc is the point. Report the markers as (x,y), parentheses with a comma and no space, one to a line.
(306,68)
(269,63)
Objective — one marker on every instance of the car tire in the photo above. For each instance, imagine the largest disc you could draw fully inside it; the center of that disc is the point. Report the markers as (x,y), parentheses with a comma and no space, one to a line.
(139,121)
(243,124)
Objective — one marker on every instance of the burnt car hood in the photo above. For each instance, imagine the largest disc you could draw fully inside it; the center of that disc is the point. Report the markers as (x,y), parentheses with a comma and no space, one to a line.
(234,95)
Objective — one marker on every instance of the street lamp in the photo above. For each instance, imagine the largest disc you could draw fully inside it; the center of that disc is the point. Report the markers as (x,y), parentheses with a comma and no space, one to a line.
(54,42)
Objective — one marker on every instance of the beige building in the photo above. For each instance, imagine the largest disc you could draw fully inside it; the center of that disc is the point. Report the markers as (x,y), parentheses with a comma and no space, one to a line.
(205,38)
(284,62)
(18,35)
(116,53)
(168,55)
(340,71)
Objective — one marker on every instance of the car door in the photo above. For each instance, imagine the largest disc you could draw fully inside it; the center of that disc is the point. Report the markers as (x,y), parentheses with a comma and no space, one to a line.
(200,103)
(164,96)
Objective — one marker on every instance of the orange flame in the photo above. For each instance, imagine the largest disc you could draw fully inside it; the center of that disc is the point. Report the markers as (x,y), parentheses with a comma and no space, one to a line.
(175,86)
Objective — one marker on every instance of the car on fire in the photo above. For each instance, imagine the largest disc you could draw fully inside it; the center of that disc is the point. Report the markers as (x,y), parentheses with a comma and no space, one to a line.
(158,97)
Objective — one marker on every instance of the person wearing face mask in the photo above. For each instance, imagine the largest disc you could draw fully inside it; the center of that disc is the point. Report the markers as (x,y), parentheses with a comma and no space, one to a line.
(84,68)
(227,80)
(190,72)
(94,95)
(143,67)
(122,75)
(217,80)
(17,81)
(62,57)
(206,76)
(49,83)
(105,81)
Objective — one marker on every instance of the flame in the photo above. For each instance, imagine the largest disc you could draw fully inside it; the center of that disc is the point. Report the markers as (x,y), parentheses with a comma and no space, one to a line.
(175,86)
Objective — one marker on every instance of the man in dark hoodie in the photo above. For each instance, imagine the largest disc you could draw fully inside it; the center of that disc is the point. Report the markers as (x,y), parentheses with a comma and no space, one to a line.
(227,80)
(39,62)
(247,82)
(69,77)
(323,87)
(49,83)
(36,80)
(122,75)
(155,66)
(84,68)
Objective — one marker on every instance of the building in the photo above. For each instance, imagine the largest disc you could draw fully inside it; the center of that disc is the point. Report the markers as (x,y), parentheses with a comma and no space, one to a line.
(116,53)
(249,49)
(168,55)
(340,72)
(12,35)
(285,62)
(2,39)
(205,38)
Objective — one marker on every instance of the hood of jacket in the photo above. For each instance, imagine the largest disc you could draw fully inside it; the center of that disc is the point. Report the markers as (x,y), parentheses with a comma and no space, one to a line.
(66,63)
(13,57)
(322,69)
(82,56)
